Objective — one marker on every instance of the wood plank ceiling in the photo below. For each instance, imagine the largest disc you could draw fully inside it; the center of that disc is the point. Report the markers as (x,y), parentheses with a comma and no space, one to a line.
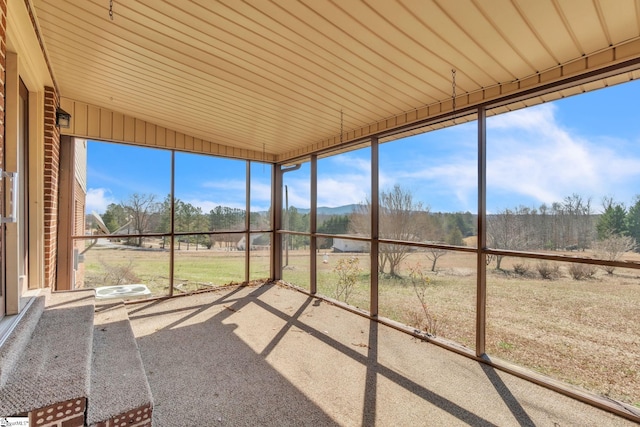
(275,75)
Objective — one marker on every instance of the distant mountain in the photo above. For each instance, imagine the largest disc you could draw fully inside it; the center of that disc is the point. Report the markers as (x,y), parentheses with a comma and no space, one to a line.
(340,210)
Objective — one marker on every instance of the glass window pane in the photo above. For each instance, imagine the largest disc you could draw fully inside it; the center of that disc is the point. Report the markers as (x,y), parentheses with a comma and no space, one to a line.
(573,322)
(344,193)
(111,262)
(197,267)
(125,188)
(261,196)
(428,186)
(296,199)
(260,256)
(211,193)
(345,275)
(563,176)
(434,291)
(296,260)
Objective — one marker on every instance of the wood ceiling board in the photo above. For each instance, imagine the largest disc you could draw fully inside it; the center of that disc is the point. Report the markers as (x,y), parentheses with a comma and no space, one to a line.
(447,55)
(354,44)
(227,136)
(507,20)
(484,32)
(431,73)
(283,97)
(190,96)
(263,62)
(197,113)
(315,117)
(295,35)
(357,62)
(544,20)
(585,25)
(621,19)
(445,25)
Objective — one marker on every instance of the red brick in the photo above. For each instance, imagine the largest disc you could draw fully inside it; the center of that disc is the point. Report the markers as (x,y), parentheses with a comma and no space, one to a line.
(74,422)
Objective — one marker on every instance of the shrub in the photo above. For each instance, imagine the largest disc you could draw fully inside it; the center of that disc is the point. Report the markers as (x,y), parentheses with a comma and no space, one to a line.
(582,271)
(612,248)
(115,275)
(347,270)
(521,269)
(425,320)
(547,270)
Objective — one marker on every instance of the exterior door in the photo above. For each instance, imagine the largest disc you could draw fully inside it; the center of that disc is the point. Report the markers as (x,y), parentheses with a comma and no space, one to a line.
(3,263)
(19,229)
(23,188)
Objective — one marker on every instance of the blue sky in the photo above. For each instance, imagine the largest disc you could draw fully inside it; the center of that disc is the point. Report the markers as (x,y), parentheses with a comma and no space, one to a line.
(587,145)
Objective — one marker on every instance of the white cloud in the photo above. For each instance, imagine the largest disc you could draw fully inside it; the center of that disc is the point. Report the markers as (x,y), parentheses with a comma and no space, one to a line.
(98,199)
(531,159)
(343,189)
(530,154)
(260,192)
(345,181)
(439,169)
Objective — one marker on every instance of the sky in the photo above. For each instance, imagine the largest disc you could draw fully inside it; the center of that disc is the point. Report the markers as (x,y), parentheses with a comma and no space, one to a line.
(587,145)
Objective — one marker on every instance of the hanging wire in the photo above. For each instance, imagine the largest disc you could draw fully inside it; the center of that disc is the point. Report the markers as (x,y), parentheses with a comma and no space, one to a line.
(453,92)
(111,9)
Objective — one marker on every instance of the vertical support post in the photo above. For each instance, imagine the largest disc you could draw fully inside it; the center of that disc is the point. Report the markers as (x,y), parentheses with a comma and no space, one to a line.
(313,225)
(481,296)
(64,272)
(375,211)
(172,224)
(276,222)
(247,224)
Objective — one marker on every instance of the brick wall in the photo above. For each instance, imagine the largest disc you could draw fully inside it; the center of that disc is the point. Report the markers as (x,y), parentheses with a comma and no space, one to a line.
(51,169)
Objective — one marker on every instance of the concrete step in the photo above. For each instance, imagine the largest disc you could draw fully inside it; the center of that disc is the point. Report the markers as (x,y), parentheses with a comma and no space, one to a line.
(51,374)
(73,362)
(119,391)
(19,329)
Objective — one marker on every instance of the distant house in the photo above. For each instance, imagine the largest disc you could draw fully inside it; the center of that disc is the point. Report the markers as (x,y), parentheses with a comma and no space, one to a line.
(241,245)
(347,245)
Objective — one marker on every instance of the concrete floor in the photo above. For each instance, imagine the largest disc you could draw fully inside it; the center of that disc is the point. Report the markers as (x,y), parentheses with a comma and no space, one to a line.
(272,356)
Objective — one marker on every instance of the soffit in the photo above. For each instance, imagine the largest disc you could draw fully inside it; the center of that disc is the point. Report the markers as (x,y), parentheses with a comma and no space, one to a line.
(284,76)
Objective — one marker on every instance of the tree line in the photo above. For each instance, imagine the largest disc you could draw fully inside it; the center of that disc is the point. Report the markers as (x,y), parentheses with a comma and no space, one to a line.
(571,224)
(143,213)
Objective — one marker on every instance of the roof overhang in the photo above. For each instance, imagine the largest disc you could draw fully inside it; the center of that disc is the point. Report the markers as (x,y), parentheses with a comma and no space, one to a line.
(287,79)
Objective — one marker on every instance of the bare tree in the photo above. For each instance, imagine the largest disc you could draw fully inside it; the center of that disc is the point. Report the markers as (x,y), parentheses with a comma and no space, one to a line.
(579,231)
(507,230)
(400,219)
(140,208)
(433,254)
